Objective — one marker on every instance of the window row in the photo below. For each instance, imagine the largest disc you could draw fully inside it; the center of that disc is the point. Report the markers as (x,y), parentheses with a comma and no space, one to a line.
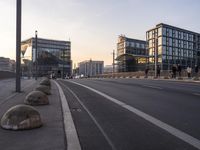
(162,31)
(174,43)
(134,44)
(173,52)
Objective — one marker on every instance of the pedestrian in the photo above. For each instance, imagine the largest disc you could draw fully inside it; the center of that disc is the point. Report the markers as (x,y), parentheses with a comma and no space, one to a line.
(146,72)
(189,71)
(158,71)
(179,70)
(196,69)
(174,71)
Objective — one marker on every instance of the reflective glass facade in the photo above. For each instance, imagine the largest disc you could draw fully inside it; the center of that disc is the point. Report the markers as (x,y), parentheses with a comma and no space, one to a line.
(171,45)
(52,56)
(134,54)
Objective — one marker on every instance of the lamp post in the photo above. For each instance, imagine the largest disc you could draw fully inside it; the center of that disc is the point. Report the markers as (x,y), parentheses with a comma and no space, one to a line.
(36,56)
(18,47)
(63,65)
(113,61)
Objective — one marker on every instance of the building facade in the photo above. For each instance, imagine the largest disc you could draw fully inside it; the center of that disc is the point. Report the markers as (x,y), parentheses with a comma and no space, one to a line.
(131,54)
(91,68)
(52,56)
(6,64)
(168,45)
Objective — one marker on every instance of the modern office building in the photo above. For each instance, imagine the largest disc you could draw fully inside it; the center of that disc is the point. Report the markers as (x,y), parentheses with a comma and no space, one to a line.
(91,68)
(6,64)
(132,54)
(52,56)
(168,45)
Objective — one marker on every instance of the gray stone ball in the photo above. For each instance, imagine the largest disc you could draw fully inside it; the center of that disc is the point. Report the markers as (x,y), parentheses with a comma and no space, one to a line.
(21,117)
(43,88)
(36,98)
(46,82)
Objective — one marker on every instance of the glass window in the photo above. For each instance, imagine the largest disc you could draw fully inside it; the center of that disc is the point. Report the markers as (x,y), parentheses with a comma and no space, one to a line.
(150,43)
(164,49)
(164,31)
(176,34)
(164,40)
(181,35)
(170,50)
(138,45)
(151,52)
(150,34)
(170,32)
(159,31)
(170,41)
(159,50)
(181,44)
(160,41)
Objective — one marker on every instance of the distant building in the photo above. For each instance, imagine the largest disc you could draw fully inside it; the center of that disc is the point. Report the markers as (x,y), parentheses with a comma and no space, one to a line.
(132,54)
(91,68)
(6,64)
(52,56)
(168,45)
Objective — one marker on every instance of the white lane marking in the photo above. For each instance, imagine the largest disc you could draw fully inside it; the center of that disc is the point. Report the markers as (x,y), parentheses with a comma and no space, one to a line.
(70,130)
(93,118)
(153,87)
(176,132)
(197,94)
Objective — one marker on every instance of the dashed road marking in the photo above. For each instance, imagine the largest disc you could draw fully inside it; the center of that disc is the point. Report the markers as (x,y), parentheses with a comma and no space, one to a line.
(197,94)
(153,87)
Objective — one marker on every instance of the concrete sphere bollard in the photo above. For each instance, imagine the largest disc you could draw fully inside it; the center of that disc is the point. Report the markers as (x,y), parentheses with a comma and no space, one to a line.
(46,82)
(21,117)
(196,78)
(137,76)
(43,88)
(166,77)
(180,78)
(36,98)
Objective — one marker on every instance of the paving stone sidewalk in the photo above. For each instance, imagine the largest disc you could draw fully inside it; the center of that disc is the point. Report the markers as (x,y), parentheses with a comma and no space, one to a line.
(49,137)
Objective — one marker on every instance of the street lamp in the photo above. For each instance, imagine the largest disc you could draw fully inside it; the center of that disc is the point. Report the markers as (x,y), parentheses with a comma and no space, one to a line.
(63,65)
(36,55)
(113,61)
(18,46)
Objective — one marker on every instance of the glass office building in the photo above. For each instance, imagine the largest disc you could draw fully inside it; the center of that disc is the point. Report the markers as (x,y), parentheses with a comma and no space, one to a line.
(168,45)
(91,68)
(52,56)
(131,54)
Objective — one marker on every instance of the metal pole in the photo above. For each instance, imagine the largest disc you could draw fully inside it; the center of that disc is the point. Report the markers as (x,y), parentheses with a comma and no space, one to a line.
(113,61)
(18,47)
(156,57)
(63,63)
(36,56)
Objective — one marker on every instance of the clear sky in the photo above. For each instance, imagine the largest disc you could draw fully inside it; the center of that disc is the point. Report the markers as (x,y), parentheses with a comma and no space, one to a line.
(93,25)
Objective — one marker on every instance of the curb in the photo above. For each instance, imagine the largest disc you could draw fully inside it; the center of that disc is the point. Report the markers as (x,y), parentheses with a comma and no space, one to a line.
(69,127)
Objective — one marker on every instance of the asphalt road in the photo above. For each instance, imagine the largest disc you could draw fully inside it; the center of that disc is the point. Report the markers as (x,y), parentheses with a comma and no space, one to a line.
(135,114)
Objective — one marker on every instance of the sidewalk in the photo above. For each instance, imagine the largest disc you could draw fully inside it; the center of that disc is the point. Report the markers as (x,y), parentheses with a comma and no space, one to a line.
(185,79)
(50,136)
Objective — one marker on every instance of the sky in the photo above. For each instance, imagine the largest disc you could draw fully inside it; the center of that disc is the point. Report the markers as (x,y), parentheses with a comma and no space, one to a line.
(92,26)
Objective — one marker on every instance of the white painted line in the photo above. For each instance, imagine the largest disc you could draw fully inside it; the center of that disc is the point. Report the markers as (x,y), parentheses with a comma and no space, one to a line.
(176,132)
(93,118)
(70,130)
(197,94)
(153,87)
